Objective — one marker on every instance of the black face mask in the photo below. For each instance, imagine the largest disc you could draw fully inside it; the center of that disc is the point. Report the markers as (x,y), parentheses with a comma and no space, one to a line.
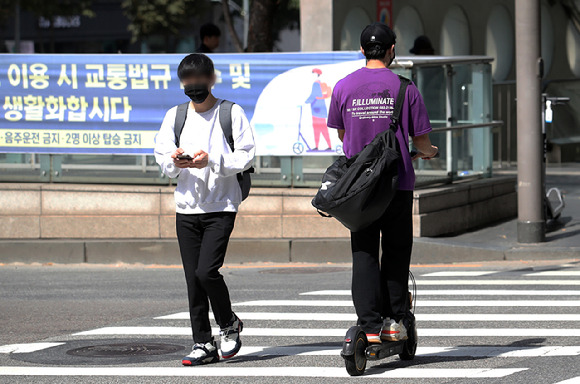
(197,92)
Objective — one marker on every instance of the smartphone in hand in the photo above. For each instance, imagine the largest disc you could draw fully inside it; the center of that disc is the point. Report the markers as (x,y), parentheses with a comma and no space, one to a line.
(184,156)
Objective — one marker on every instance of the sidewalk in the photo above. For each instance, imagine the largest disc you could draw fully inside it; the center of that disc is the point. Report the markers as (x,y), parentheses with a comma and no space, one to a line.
(499,241)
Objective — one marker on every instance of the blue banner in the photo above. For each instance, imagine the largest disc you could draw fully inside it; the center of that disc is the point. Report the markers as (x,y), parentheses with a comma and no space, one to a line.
(114,104)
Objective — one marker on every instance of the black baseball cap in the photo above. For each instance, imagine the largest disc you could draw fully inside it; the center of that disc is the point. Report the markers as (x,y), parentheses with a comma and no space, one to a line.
(377,34)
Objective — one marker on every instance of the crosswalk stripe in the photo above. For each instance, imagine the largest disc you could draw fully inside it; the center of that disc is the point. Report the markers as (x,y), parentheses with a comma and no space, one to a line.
(574,380)
(338,332)
(514,317)
(275,316)
(498,282)
(423,303)
(554,273)
(27,348)
(479,351)
(313,316)
(297,303)
(459,273)
(222,371)
(463,292)
(290,351)
(499,332)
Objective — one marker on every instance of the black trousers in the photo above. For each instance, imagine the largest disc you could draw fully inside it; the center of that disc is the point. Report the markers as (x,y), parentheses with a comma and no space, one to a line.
(203,240)
(380,290)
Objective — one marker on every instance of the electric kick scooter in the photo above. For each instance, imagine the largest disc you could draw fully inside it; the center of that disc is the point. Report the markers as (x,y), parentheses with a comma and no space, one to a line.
(356,350)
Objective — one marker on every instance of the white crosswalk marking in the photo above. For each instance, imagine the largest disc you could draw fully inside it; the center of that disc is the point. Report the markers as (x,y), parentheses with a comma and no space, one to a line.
(555,273)
(574,380)
(424,303)
(459,273)
(324,316)
(464,292)
(26,348)
(425,351)
(339,332)
(510,320)
(257,372)
(498,282)
(276,316)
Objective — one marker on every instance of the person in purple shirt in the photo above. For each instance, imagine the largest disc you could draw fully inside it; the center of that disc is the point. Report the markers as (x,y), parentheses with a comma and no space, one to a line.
(360,108)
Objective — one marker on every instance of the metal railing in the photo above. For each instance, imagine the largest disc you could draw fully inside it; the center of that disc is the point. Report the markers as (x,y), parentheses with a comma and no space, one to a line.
(282,171)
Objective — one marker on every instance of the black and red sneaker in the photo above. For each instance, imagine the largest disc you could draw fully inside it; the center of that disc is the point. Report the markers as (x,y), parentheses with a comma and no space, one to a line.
(202,353)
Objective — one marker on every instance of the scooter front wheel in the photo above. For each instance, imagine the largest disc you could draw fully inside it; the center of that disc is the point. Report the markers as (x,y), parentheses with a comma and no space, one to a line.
(356,363)
(410,346)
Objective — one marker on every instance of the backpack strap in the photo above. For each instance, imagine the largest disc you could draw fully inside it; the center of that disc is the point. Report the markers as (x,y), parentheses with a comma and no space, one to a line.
(226,121)
(395,117)
(226,124)
(180,117)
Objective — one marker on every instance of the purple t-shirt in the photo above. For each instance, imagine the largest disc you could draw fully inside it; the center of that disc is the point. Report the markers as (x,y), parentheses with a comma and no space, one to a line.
(362,103)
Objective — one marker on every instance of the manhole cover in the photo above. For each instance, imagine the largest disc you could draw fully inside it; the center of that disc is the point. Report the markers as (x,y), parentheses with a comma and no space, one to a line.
(306,270)
(126,349)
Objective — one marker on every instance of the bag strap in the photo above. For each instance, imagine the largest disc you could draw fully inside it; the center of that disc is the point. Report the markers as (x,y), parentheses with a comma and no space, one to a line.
(226,121)
(180,117)
(395,117)
(226,124)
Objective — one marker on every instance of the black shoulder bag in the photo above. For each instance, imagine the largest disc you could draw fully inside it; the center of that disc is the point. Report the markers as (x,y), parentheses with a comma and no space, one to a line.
(357,191)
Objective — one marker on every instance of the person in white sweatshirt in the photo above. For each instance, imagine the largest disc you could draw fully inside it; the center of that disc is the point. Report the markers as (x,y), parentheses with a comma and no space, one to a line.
(206,198)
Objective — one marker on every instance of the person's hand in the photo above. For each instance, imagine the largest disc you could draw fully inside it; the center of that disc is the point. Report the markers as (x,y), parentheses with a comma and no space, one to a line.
(181,163)
(427,156)
(200,159)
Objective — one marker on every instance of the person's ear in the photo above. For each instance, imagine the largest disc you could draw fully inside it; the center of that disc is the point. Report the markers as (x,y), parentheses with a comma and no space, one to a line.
(362,50)
(212,80)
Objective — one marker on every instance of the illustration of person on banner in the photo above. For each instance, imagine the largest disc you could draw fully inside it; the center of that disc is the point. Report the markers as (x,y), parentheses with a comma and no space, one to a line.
(317,100)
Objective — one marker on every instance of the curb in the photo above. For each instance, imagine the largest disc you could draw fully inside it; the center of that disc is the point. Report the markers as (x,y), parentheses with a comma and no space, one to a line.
(166,252)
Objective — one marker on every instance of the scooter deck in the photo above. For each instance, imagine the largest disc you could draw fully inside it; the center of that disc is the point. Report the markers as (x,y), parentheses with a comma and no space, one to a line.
(384,350)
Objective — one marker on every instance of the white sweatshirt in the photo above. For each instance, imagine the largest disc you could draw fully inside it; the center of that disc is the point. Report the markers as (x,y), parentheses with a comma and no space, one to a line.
(214,188)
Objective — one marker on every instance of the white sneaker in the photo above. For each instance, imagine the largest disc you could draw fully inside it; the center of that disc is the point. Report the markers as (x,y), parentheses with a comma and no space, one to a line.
(230,342)
(201,354)
(393,331)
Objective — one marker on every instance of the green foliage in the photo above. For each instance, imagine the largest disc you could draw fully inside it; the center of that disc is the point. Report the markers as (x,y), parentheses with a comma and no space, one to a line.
(6,10)
(51,8)
(47,8)
(159,17)
(287,15)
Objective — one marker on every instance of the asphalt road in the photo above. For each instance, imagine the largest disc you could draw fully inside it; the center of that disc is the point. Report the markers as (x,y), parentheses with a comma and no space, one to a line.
(503,322)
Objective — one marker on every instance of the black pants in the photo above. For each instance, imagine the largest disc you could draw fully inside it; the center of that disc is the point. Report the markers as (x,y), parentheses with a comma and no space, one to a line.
(381,290)
(203,240)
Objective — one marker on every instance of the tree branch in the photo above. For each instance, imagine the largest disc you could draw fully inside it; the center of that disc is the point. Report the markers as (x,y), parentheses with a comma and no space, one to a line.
(230,24)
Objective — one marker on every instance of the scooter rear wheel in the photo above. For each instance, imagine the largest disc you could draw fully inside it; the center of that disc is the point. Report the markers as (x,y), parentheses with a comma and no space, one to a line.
(357,362)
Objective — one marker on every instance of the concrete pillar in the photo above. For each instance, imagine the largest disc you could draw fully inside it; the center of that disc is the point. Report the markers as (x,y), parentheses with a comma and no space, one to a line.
(531,224)
(316,25)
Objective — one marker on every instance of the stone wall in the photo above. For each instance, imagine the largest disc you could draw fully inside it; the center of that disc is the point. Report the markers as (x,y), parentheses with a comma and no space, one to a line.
(69,211)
